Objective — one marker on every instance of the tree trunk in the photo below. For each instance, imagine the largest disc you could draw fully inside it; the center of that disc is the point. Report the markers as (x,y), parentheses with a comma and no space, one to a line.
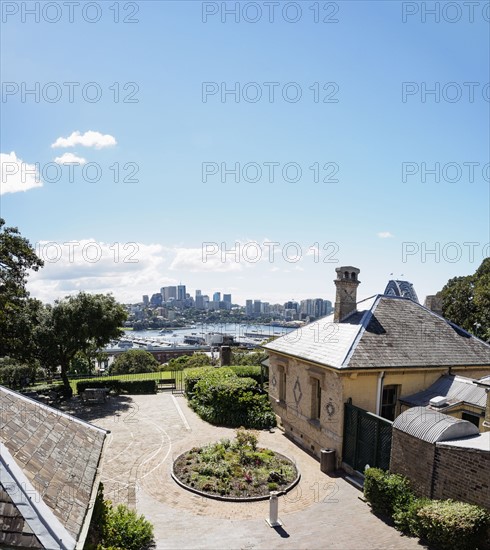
(68,391)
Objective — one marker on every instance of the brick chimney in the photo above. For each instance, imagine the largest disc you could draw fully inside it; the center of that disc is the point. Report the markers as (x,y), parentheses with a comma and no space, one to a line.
(434,303)
(346,295)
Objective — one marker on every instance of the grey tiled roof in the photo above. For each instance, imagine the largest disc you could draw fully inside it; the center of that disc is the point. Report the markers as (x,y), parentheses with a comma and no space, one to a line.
(57,454)
(386,331)
(457,389)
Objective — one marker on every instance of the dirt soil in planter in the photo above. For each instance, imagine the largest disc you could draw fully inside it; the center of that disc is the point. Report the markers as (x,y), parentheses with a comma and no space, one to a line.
(235,469)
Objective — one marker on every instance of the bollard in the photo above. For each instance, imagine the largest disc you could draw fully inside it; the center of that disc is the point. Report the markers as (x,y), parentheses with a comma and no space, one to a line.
(273,520)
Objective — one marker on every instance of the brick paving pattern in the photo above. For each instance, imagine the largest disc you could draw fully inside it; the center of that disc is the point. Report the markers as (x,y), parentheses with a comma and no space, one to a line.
(148,432)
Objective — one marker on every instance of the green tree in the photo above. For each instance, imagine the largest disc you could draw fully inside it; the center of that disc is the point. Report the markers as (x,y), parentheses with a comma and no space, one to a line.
(134,361)
(77,325)
(17,257)
(466,301)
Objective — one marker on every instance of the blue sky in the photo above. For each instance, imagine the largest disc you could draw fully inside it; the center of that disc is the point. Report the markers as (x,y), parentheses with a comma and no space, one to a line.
(161,140)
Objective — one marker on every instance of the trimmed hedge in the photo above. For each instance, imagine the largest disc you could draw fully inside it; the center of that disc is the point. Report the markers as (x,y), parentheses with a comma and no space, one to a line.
(220,396)
(119,386)
(248,371)
(445,524)
(451,525)
(386,491)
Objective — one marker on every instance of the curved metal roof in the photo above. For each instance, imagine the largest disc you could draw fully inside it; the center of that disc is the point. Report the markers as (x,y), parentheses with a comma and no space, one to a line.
(433,426)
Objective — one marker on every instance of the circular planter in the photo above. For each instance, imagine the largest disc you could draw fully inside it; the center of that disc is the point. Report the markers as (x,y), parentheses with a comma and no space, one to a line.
(235,498)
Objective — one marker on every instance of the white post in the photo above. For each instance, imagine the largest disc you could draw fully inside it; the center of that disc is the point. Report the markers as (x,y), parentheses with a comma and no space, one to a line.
(273,520)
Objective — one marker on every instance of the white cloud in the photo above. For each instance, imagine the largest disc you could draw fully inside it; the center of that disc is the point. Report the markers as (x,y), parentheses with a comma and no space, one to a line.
(68,158)
(17,175)
(203,259)
(127,270)
(385,235)
(88,139)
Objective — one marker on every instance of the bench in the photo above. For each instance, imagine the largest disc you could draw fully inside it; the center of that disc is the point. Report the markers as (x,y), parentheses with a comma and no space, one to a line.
(166,384)
(96,395)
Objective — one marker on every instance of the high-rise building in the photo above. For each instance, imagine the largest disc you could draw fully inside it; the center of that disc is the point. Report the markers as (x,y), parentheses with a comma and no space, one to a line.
(199,301)
(257,308)
(227,298)
(181,292)
(146,300)
(168,293)
(198,293)
(217,297)
(249,308)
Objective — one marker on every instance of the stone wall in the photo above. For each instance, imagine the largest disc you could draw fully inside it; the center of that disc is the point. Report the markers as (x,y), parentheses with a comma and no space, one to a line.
(294,407)
(441,470)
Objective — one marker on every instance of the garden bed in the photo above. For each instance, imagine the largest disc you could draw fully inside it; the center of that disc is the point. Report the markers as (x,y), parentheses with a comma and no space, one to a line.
(235,469)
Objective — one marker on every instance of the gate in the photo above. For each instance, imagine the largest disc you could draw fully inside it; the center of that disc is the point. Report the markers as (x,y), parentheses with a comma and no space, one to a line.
(178,376)
(367,439)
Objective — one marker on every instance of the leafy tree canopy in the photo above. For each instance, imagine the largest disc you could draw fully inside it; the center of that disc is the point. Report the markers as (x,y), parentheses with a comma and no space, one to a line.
(17,257)
(466,301)
(134,361)
(74,325)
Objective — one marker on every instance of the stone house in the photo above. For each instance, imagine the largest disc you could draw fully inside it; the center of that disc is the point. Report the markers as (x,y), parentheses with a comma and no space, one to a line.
(367,356)
(49,474)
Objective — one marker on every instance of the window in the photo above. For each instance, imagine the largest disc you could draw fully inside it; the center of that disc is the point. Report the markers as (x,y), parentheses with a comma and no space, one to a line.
(316,399)
(388,402)
(473,418)
(282,384)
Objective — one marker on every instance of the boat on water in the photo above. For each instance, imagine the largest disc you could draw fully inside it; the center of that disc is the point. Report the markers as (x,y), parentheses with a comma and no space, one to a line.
(166,331)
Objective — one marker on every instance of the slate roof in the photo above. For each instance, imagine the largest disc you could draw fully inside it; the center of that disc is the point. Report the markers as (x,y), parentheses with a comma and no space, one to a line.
(457,389)
(48,467)
(384,332)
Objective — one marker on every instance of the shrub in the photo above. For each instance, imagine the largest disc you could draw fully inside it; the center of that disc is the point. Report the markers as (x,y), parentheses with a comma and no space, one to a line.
(16,375)
(248,371)
(125,529)
(405,516)
(138,386)
(248,357)
(453,525)
(119,386)
(220,397)
(386,491)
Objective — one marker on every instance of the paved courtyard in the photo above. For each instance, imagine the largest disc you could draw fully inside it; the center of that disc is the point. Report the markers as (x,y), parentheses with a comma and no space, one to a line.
(149,431)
